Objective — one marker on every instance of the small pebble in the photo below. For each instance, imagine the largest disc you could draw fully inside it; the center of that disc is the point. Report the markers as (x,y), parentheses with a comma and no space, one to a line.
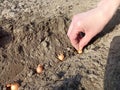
(30,73)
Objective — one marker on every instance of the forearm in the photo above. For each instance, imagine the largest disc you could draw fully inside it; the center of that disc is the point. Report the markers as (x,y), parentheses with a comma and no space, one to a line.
(109,7)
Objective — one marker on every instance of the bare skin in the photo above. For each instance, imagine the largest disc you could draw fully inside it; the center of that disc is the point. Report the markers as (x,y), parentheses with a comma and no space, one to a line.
(91,23)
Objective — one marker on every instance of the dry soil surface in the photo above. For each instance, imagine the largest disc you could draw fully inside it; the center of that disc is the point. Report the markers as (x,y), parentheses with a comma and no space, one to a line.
(34,32)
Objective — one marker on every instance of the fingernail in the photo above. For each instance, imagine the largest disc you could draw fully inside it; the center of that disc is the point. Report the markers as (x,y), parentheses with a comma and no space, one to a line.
(80,48)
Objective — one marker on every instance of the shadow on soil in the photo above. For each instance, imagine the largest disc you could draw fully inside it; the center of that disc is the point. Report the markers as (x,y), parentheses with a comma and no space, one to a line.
(112,72)
(72,83)
(5,37)
(109,27)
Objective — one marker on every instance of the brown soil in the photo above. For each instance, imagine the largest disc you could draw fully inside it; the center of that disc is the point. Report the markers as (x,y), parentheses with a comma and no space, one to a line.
(34,32)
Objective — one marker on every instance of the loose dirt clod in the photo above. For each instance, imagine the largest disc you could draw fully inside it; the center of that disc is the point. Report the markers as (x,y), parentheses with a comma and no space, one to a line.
(61,57)
(39,69)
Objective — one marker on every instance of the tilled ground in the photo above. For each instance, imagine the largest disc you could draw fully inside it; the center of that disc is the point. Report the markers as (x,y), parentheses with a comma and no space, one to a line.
(34,32)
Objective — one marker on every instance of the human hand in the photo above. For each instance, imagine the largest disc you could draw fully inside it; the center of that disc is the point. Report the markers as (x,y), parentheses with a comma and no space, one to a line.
(90,23)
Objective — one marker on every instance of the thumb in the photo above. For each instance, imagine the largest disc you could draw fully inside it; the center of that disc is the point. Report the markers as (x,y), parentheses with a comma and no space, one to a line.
(84,41)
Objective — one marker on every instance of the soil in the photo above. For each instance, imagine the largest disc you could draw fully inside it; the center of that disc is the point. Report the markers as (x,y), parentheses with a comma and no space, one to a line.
(34,32)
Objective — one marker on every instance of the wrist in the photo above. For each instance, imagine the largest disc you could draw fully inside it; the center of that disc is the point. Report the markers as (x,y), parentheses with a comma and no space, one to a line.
(108,7)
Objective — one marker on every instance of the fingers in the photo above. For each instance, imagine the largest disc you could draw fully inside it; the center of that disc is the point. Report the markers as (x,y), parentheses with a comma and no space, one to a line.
(77,41)
(70,29)
(72,25)
(84,41)
(74,36)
